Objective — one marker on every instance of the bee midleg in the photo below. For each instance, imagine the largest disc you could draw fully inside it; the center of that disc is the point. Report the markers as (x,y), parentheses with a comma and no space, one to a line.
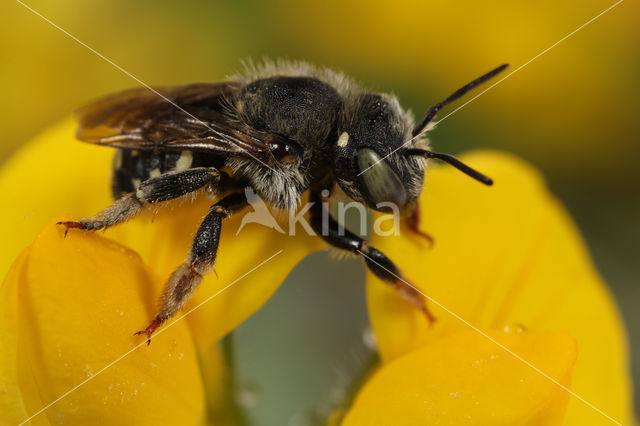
(200,260)
(377,262)
(158,189)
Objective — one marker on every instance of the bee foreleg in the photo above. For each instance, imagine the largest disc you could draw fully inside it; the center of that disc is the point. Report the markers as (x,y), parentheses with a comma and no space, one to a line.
(200,261)
(413,221)
(377,262)
(158,189)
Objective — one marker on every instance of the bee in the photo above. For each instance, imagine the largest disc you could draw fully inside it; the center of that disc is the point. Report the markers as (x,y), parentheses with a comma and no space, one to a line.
(280,129)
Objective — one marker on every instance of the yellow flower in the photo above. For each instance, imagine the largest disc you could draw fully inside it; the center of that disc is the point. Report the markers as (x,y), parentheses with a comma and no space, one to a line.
(70,306)
(505,256)
(67,308)
(468,379)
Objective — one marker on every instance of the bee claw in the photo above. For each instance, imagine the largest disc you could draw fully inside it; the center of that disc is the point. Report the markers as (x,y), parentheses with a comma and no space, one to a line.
(413,221)
(150,329)
(137,333)
(424,235)
(417,298)
(430,317)
(68,225)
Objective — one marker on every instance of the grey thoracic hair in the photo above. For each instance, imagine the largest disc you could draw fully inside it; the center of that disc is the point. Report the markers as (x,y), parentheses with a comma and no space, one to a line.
(291,181)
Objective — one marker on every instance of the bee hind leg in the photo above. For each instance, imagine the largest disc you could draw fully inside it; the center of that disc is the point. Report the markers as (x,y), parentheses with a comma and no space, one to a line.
(155,190)
(200,261)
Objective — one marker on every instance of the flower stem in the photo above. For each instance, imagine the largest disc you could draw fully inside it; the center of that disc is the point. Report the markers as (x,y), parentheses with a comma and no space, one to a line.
(359,379)
(237,415)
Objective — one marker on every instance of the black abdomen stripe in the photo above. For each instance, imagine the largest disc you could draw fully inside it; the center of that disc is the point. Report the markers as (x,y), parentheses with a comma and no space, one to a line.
(131,167)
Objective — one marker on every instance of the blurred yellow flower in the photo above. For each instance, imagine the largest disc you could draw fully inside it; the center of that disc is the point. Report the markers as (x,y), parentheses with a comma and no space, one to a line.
(505,256)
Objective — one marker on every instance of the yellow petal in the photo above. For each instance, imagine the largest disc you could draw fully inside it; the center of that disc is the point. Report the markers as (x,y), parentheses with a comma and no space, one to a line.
(53,174)
(12,406)
(506,255)
(467,379)
(167,238)
(56,174)
(69,307)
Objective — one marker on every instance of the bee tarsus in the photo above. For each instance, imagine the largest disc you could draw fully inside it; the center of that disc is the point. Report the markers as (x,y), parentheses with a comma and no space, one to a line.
(153,326)
(200,260)
(154,190)
(69,225)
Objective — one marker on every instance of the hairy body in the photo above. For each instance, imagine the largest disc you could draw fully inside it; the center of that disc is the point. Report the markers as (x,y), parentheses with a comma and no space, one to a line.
(281,129)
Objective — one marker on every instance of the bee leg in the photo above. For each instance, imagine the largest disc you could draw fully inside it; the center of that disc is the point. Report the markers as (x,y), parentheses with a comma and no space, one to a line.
(377,262)
(158,189)
(200,261)
(413,221)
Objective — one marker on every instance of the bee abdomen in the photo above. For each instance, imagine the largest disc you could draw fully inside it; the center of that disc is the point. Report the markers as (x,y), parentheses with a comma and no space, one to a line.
(132,167)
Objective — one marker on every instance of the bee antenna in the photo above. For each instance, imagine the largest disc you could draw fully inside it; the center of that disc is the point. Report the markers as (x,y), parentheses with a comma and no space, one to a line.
(432,111)
(453,161)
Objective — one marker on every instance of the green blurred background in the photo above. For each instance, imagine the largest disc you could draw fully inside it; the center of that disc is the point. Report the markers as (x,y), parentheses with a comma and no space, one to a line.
(572,113)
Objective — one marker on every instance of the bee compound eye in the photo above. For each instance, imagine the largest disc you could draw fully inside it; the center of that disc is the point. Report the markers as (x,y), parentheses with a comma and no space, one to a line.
(380,181)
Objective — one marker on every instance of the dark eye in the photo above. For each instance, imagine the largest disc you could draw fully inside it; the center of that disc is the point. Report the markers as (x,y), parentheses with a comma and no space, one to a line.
(285,150)
(380,182)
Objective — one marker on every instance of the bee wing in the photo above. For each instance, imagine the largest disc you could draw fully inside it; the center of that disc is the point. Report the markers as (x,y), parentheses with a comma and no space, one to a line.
(190,117)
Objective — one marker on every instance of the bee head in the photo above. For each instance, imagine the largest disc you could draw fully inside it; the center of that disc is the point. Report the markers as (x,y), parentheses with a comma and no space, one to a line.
(369,163)
(379,155)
